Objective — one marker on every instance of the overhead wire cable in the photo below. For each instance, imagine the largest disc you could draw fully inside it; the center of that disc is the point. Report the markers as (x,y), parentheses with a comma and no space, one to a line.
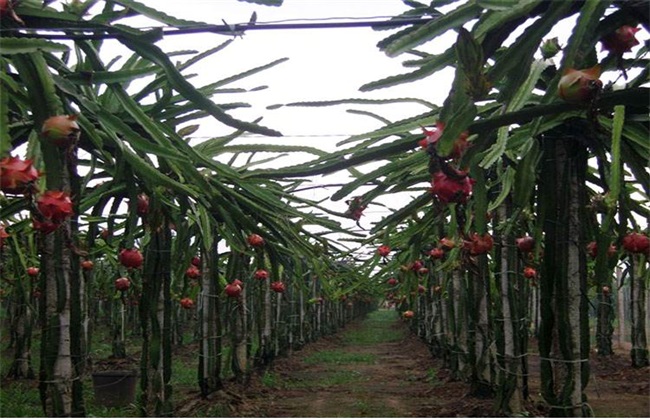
(225,29)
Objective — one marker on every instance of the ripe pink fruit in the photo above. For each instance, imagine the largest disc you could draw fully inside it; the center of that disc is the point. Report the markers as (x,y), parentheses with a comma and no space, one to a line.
(636,243)
(525,243)
(621,40)
(278,287)
(32,271)
(392,281)
(261,274)
(187,303)
(61,130)
(122,284)
(436,253)
(383,250)
(530,273)
(196,261)
(87,265)
(131,258)
(417,265)
(55,205)
(479,244)
(16,175)
(451,190)
(193,272)
(408,314)
(255,240)
(233,290)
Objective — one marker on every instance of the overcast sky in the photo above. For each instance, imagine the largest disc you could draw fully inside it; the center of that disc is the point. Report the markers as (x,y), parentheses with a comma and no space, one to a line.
(324,64)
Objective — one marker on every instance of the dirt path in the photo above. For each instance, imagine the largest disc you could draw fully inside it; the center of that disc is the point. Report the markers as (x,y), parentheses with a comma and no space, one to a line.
(375,368)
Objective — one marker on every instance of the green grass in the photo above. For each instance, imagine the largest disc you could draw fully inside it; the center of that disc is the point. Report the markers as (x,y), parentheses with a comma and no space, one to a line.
(270,379)
(21,399)
(432,376)
(329,379)
(364,408)
(374,331)
(339,357)
(323,379)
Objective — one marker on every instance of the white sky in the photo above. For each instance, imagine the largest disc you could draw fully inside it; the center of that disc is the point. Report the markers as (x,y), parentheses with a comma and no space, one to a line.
(324,64)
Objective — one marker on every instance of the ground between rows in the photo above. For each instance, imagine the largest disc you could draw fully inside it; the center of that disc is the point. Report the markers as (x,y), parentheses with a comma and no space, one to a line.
(377,368)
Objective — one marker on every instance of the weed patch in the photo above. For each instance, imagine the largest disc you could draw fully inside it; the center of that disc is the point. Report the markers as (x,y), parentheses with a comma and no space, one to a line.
(21,399)
(339,357)
(374,331)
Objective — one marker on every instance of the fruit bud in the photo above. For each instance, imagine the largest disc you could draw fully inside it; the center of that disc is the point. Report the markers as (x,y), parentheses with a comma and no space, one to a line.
(550,48)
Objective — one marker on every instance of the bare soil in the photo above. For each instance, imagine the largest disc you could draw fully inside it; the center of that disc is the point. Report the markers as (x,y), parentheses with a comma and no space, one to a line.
(402,381)
(405,381)
(384,379)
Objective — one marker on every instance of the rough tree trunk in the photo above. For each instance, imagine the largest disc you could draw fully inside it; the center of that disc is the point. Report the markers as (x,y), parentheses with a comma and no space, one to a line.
(266,345)
(209,321)
(510,390)
(457,325)
(564,334)
(155,318)
(638,280)
(481,333)
(240,339)
(60,372)
(21,330)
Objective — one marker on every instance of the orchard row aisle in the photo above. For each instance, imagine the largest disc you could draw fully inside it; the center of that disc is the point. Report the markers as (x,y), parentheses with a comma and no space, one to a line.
(376,367)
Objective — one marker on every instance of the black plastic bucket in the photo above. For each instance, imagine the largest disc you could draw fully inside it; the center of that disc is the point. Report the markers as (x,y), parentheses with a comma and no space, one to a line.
(114,388)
